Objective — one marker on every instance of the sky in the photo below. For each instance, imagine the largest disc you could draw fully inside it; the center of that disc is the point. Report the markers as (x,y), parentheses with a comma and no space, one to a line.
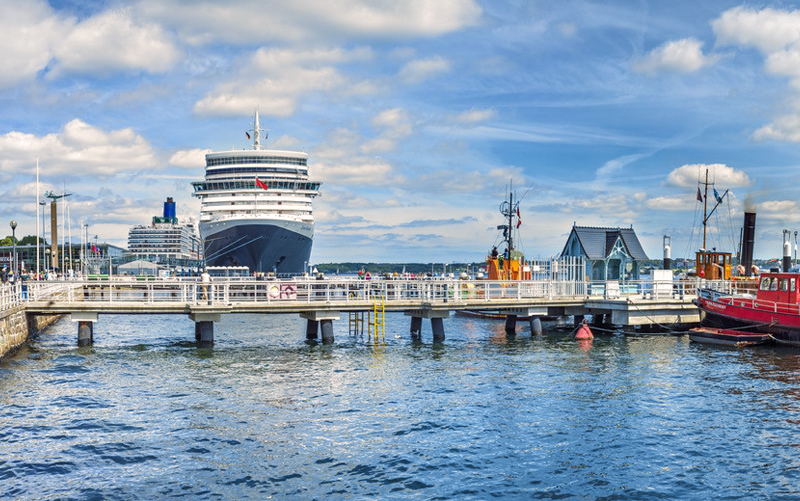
(418,116)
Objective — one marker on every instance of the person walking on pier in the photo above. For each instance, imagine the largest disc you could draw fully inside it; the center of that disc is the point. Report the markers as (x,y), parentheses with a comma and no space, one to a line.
(205,280)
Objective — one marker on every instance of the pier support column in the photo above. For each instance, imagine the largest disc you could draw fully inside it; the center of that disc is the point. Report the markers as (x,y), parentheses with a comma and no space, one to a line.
(204,327)
(85,322)
(322,320)
(536,325)
(327,331)
(511,324)
(312,329)
(416,327)
(437,325)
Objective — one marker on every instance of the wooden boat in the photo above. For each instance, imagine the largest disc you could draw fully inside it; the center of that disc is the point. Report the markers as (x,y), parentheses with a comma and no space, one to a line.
(727,337)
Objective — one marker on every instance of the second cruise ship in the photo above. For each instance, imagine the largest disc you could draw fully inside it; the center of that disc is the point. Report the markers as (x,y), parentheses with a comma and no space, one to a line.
(256,208)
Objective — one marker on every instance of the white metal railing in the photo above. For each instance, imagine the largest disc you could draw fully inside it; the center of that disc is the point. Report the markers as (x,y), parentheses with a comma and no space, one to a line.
(355,291)
(10,296)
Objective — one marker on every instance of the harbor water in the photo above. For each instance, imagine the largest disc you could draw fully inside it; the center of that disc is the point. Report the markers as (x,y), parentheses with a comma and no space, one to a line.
(146,414)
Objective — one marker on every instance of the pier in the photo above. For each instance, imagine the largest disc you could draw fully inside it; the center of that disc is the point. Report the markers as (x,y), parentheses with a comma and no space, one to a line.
(322,301)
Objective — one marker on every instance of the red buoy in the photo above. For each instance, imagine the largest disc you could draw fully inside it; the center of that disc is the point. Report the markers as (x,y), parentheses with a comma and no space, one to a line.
(584,332)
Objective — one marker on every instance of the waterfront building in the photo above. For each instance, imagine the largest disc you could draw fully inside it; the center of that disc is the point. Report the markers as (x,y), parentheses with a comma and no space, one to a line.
(165,240)
(71,254)
(610,253)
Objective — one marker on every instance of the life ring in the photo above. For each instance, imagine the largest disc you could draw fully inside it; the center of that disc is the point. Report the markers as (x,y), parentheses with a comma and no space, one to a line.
(274,292)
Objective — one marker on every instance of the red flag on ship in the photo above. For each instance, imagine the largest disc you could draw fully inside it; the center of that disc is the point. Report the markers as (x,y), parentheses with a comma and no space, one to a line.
(262,185)
(699,195)
(519,219)
(247,134)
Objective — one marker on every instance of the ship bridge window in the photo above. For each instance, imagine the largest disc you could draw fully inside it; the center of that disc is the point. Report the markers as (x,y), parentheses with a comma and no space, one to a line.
(784,284)
(765,283)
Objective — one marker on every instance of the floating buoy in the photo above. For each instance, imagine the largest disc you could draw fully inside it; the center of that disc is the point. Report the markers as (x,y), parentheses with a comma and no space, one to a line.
(584,332)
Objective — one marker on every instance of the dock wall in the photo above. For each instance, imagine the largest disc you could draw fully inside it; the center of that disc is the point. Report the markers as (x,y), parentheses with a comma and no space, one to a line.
(16,326)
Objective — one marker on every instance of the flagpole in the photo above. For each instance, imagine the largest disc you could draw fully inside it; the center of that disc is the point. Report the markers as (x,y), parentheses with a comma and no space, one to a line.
(37,218)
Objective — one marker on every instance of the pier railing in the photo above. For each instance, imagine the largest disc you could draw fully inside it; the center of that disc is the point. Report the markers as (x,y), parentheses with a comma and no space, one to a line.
(356,291)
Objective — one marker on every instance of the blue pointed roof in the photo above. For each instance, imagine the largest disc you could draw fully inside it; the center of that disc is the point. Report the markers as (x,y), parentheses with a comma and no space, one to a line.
(597,243)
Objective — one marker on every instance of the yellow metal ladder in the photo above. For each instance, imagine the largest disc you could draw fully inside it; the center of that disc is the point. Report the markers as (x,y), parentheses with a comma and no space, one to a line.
(377,321)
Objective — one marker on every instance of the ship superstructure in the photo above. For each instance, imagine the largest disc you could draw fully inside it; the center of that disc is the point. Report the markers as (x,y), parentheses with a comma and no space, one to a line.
(256,208)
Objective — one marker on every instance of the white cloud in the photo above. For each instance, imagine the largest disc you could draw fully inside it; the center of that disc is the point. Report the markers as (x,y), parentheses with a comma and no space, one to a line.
(679,56)
(30,31)
(768,30)
(779,210)
(358,172)
(418,71)
(687,176)
(275,80)
(474,116)
(112,41)
(79,149)
(395,125)
(189,159)
(261,21)
(776,34)
(672,203)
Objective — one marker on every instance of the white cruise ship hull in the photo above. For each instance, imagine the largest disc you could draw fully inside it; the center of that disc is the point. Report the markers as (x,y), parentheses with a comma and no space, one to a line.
(263,245)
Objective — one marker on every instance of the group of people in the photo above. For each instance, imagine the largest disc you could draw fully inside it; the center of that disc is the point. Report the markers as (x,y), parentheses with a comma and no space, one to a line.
(7,276)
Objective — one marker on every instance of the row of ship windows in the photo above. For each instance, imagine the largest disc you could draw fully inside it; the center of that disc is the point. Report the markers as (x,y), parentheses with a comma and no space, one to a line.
(258,171)
(210,162)
(251,185)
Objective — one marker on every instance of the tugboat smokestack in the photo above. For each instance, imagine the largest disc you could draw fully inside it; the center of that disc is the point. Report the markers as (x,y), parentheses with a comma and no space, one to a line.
(748,241)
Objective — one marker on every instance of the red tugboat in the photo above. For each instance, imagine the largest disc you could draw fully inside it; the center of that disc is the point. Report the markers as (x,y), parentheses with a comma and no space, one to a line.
(775,309)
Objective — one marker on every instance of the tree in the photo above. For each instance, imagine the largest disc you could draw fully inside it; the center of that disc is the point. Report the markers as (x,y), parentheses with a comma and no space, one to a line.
(29,240)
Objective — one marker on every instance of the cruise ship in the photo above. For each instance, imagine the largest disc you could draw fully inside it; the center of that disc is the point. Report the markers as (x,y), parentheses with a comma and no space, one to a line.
(256,208)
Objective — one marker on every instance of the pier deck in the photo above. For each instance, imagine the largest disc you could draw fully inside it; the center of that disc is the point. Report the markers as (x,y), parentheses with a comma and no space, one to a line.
(323,300)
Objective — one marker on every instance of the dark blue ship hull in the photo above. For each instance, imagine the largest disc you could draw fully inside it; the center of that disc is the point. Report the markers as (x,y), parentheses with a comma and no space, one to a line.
(260,247)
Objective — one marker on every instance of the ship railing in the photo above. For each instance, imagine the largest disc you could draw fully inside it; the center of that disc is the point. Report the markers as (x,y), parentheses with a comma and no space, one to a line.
(336,290)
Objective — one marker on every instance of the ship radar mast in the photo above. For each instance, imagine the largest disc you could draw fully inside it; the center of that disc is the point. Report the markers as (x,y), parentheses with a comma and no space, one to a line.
(256,130)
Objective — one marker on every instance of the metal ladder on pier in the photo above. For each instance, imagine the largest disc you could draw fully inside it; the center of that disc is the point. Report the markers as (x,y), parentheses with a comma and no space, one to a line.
(375,320)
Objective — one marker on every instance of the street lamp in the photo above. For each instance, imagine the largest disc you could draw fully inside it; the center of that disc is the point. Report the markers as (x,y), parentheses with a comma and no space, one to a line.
(14,243)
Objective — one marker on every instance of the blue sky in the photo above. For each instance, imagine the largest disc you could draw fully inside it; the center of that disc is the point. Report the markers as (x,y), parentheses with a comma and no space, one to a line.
(416,115)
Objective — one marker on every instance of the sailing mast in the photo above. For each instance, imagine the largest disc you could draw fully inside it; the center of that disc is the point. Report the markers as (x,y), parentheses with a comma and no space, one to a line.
(705,210)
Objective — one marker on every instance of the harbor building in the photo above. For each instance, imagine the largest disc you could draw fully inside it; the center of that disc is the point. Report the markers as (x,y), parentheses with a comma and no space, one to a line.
(165,240)
(610,253)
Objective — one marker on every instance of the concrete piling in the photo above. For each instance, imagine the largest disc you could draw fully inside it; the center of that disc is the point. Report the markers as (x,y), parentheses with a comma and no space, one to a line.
(85,322)
(204,327)
(511,324)
(536,325)
(312,329)
(327,331)
(85,333)
(416,327)
(437,326)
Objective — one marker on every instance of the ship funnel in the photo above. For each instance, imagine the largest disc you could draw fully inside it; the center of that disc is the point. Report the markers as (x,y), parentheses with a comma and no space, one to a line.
(748,241)
(667,252)
(169,209)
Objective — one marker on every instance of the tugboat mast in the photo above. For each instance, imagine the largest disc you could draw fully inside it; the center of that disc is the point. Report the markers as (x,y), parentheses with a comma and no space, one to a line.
(508,209)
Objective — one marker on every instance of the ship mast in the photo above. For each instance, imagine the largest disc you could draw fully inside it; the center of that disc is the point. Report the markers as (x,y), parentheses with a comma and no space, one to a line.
(508,209)
(705,204)
(256,130)
(706,215)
